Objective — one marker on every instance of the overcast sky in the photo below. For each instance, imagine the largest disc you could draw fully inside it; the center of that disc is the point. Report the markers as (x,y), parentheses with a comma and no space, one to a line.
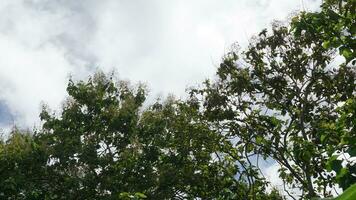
(169,45)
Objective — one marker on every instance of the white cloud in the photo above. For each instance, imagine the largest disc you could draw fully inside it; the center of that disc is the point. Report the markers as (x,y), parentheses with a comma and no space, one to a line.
(270,171)
(168,44)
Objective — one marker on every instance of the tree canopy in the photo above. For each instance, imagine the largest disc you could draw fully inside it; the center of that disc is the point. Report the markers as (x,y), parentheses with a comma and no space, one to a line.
(289,97)
(105,145)
(280,99)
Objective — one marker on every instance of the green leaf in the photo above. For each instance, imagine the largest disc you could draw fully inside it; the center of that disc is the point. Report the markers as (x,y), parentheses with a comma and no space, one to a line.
(334,164)
(140,195)
(322,138)
(349,194)
(347,53)
(352,151)
(326,44)
(259,139)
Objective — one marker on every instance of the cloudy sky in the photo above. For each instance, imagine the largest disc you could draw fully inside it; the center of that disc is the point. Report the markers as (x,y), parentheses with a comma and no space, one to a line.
(169,45)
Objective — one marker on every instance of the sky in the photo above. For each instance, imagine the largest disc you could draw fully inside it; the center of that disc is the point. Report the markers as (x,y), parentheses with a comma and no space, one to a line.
(169,45)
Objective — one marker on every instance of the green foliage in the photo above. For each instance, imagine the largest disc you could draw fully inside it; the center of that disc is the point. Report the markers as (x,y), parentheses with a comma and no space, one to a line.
(181,149)
(135,196)
(279,99)
(283,98)
(344,126)
(93,142)
(105,145)
(349,194)
(335,24)
(22,166)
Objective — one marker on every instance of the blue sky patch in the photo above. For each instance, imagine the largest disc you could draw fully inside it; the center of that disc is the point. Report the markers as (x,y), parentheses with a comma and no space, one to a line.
(5,114)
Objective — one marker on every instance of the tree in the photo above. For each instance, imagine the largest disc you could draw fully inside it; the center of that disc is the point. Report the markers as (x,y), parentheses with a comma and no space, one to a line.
(275,98)
(342,148)
(22,167)
(185,154)
(105,145)
(92,143)
(335,24)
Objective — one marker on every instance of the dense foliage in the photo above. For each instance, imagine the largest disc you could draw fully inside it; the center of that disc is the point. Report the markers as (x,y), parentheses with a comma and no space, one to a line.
(335,24)
(105,145)
(289,97)
(278,99)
